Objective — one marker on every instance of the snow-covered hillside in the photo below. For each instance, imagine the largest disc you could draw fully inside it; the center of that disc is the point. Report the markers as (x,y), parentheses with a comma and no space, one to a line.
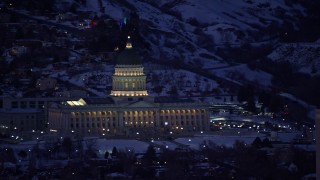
(189,31)
(305,57)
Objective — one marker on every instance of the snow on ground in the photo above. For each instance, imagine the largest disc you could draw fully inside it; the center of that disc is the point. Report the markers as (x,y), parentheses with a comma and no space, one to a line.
(303,56)
(209,11)
(260,119)
(183,80)
(166,144)
(241,73)
(225,137)
(104,145)
(288,136)
(113,10)
(226,140)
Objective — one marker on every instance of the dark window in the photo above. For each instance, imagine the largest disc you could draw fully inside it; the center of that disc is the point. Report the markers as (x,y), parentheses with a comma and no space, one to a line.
(14,104)
(23,104)
(41,104)
(32,104)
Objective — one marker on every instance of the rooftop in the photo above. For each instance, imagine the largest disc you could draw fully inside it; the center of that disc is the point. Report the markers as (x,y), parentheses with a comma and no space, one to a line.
(172,100)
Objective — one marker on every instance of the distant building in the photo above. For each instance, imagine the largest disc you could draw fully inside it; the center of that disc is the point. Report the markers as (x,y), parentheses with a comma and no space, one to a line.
(23,114)
(129,110)
(17,120)
(18,51)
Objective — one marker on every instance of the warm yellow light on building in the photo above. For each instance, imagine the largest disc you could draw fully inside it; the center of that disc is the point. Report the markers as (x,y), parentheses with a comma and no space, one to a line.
(80,102)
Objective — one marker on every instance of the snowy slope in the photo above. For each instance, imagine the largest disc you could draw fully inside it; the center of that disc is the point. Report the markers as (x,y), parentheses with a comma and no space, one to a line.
(170,26)
(240,74)
(189,32)
(305,57)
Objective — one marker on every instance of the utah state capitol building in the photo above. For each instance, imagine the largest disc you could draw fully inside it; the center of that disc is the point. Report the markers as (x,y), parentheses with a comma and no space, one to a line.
(129,109)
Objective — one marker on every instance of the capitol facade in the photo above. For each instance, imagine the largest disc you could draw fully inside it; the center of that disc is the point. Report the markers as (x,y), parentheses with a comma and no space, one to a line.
(129,109)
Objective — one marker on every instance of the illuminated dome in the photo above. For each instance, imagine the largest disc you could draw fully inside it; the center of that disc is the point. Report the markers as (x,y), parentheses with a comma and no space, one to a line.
(128,56)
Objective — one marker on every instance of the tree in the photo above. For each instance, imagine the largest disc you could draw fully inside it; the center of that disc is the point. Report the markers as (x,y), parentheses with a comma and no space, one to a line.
(173,91)
(251,105)
(67,145)
(106,155)
(257,143)
(266,143)
(23,154)
(245,93)
(158,89)
(150,154)
(114,152)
